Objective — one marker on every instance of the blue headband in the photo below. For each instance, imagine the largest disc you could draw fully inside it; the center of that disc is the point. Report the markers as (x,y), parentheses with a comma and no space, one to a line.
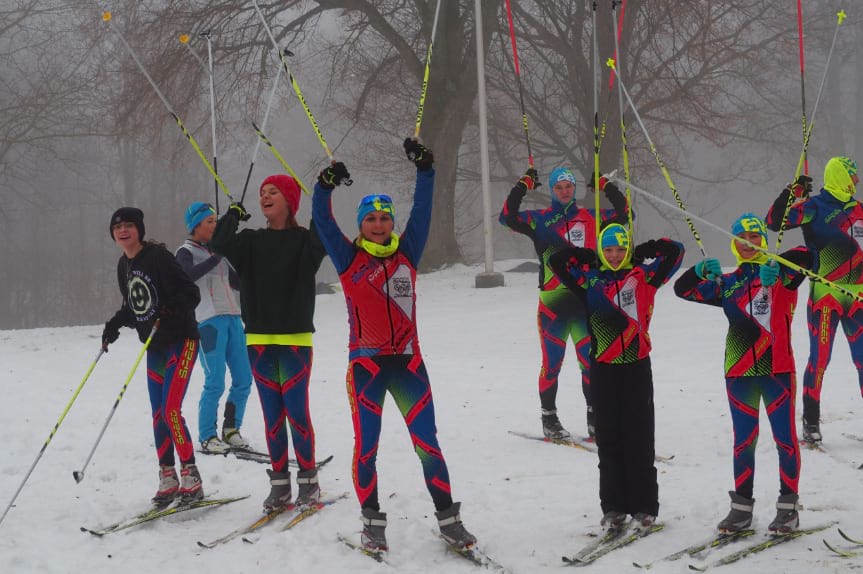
(374,202)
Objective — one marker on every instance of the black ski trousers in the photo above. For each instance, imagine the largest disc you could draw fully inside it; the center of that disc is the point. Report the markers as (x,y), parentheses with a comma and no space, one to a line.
(622,397)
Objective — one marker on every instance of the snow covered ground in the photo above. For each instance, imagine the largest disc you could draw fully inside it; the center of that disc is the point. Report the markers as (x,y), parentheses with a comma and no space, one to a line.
(528,502)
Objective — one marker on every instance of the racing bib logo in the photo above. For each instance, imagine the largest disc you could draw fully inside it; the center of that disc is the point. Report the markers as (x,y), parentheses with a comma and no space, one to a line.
(575,235)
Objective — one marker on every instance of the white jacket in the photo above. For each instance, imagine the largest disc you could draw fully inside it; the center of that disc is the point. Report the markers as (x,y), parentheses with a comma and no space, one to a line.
(214,276)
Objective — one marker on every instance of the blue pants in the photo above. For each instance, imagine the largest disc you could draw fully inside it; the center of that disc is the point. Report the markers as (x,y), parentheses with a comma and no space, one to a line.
(168,372)
(405,377)
(223,342)
(282,376)
(744,397)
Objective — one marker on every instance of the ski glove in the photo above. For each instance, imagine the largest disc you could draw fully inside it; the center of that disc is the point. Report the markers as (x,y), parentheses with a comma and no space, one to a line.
(647,250)
(238,210)
(802,187)
(527,182)
(334,175)
(109,335)
(769,273)
(419,154)
(708,269)
(592,181)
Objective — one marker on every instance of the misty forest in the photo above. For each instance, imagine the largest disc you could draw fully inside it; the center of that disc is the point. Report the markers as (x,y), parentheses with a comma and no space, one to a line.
(721,88)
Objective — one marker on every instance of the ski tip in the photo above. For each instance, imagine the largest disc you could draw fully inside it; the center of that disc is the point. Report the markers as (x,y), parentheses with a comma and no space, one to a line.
(697,568)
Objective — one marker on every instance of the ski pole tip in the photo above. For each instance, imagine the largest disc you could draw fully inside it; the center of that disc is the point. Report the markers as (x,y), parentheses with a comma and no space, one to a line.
(106,16)
(184,38)
(611,63)
(841,15)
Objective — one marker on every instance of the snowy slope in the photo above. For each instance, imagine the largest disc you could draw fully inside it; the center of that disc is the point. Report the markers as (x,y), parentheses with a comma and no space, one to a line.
(528,502)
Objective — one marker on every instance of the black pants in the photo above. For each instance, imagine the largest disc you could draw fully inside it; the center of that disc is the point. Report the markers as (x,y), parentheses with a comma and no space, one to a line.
(622,398)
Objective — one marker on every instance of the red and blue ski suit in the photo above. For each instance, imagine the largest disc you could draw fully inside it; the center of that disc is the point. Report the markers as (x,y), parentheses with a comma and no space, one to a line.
(620,307)
(384,351)
(833,231)
(561,314)
(759,360)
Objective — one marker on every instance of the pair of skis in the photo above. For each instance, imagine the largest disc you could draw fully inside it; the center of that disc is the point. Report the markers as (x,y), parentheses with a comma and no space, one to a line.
(472,554)
(157,513)
(841,551)
(578,442)
(295,516)
(613,540)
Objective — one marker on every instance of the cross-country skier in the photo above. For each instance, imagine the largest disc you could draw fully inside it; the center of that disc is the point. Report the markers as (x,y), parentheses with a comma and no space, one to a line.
(378,270)
(620,285)
(154,286)
(832,224)
(561,314)
(277,267)
(758,299)
(223,341)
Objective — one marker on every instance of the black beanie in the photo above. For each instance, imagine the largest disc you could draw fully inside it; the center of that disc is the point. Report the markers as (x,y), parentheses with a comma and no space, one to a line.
(130,215)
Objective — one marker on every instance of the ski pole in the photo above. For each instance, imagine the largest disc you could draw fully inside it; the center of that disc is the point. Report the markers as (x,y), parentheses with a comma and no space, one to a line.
(841,15)
(264,126)
(425,85)
(615,71)
(524,125)
(279,157)
(208,67)
(611,64)
(596,141)
(106,18)
(79,474)
(810,274)
(802,79)
(296,87)
(53,432)
(619,25)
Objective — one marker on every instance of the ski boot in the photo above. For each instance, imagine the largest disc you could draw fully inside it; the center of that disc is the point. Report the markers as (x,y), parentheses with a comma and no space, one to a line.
(787,519)
(551,427)
(739,517)
(374,538)
(309,491)
(215,445)
(280,490)
(612,520)
(232,437)
(642,521)
(811,431)
(169,484)
(451,528)
(591,423)
(191,488)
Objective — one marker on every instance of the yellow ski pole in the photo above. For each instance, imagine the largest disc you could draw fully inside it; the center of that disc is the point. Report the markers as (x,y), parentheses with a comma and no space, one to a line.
(79,474)
(425,85)
(53,432)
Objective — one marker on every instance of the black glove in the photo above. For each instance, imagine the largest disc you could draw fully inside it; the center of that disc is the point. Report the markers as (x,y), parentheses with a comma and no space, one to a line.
(802,187)
(592,181)
(527,182)
(419,154)
(109,335)
(164,311)
(334,175)
(237,209)
(583,255)
(647,250)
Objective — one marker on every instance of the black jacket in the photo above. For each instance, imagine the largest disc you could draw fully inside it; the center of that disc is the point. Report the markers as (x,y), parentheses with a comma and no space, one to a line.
(277,274)
(153,285)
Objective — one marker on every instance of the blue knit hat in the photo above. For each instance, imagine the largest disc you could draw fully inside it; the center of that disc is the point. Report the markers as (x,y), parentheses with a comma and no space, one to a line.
(614,235)
(196,213)
(560,174)
(749,222)
(375,202)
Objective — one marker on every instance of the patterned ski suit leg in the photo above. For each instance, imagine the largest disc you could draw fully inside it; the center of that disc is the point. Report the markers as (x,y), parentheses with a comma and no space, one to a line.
(823,313)
(213,343)
(168,372)
(406,378)
(282,376)
(744,397)
(852,325)
(561,315)
(237,359)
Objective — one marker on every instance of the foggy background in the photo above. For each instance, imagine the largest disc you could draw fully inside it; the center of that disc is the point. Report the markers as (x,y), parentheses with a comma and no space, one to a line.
(717,84)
